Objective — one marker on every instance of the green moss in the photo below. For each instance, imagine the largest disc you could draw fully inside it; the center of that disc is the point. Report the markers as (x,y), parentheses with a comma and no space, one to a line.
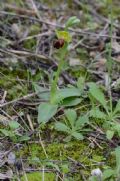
(34,29)
(61,151)
(77,150)
(37,176)
(30,44)
(9,82)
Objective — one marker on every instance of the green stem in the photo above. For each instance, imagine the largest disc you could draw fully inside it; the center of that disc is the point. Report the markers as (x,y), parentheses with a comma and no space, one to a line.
(62,54)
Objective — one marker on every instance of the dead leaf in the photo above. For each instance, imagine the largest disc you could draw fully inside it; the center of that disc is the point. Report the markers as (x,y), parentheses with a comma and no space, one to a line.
(116,46)
(74,62)
(4,120)
(7,175)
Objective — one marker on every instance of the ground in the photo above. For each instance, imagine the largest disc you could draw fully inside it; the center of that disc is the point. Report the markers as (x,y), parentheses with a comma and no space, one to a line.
(33,37)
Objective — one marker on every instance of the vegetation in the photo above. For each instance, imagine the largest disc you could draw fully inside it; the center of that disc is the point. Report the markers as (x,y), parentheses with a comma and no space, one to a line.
(59,90)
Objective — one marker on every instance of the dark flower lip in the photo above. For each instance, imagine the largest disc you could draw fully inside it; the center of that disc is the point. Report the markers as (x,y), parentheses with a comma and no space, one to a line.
(58,43)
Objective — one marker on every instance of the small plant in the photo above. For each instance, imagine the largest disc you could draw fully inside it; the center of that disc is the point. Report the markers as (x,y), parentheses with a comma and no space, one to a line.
(105,111)
(58,97)
(73,126)
(62,169)
(12,132)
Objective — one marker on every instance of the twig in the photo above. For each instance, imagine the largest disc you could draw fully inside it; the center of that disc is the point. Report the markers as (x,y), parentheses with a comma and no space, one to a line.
(19,10)
(35,36)
(3,98)
(21,98)
(34,7)
(40,141)
(77,31)
(30,122)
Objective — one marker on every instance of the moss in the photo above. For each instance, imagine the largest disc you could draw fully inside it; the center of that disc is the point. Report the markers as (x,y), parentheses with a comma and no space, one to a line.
(9,82)
(30,44)
(61,151)
(37,176)
(34,29)
(76,150)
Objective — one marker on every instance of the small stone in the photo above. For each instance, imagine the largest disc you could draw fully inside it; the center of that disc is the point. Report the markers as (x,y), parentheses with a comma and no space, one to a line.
(96,172)
(11,158)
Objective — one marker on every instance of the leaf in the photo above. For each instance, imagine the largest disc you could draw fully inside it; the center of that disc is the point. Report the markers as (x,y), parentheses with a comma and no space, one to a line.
(46,111)
(81,83)
(53,165)
(82,120)
(42,92)
(64,35)
(96,113)
(61,127)
(61,94)
(97,94)
(65,169)
(7,133)
(117,154)
(108,173)
(24,138)
(72,21)
(68,138)
(78,136)
(71,116)
(70,101)
(93,178)
(117,108)
(116,127)
(109,134)
(14,124)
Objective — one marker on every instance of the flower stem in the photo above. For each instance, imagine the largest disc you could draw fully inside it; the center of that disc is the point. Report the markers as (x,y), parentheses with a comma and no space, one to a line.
(62,53)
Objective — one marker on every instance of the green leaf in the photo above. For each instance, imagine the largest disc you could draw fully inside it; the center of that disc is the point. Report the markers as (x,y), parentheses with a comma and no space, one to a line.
(61,94)
(78,136)
(72,21)
(65,169)
(117,108)
(7,133)
(53,165)
(82,120)
(71,116)
(96,113)
(93,178)
(61,127)
(70,101)
(116,127)
(24,138)
(64,35)
(117,154)
(97,94)
(14,124)
(68,138)
(109,134)
(108,173)
(46,111)
(42,92)
(81,83)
